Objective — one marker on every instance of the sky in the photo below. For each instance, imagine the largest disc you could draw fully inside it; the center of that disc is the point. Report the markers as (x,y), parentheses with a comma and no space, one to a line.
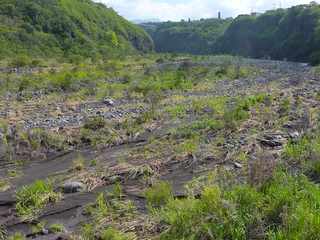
(176,10)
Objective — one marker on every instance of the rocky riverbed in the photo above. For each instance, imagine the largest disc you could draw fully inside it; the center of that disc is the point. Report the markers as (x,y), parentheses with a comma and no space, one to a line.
(80,172)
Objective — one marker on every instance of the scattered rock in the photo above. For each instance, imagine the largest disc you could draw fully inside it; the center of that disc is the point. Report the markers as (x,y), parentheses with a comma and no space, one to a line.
(294,135)
(109,102)
(272,140)
(114,179)
(73,187)
(237,165)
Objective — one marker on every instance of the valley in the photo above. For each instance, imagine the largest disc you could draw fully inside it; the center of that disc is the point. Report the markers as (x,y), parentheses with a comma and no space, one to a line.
(194,130)
(223,116)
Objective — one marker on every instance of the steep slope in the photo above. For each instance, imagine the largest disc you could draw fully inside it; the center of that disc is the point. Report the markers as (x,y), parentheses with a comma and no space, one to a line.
(196,37)
(292,34)
(66,27)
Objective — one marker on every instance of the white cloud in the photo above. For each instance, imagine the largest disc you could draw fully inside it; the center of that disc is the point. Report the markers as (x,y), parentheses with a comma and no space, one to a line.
(195,9)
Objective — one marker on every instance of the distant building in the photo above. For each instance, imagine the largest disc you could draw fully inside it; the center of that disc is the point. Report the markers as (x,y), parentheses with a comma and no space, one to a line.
(219,15)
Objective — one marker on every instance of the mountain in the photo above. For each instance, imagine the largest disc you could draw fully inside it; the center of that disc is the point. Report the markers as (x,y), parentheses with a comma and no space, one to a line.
(196,37)
(292,34)
(66,28)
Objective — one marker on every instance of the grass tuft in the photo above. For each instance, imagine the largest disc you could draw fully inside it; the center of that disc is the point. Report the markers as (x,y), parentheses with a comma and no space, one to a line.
(33,198)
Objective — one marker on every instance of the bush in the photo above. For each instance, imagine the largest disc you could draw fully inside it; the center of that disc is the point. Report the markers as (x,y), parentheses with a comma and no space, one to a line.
(20,61)
(232,117)
(113,234)
(17,236)
(63,81)
(56,228)
(298,152)
(287,207)
(33,198)
(95,123)
(158,195)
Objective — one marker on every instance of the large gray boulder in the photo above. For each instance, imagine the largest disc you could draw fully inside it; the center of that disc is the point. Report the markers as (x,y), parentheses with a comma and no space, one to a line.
(73,187)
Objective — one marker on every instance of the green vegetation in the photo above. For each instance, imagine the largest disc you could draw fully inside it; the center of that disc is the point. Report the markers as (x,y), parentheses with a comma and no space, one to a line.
(291,34)
(280,34)
(33,198)
(37,140)
(159,194)
(113,234)
(196,37)
(281,209)
(57,228)
(78,164)
(95,123)
(104,213)
(304,154)
(17,236)
(66,28)
(243,131)
(4,185)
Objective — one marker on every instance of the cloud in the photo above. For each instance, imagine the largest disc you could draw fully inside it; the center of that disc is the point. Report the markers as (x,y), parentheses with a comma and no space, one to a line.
(194,9)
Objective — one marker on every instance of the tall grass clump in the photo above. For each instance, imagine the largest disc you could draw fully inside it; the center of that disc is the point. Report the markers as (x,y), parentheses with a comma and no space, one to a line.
(285,207)
(33,198)
(159,194)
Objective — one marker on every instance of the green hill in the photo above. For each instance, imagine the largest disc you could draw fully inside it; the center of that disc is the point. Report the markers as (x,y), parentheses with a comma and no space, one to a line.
(196,37)
(65,28)
(292,34)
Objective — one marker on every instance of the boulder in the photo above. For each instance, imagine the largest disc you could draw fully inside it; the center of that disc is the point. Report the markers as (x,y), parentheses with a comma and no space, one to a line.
(237,165)
(294,135)
(109,102)
(73,187)
(272,140)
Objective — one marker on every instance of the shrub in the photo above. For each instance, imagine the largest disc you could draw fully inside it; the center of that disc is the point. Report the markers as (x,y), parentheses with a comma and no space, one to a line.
(238,110)
(286,207)
(113,234)
(298,152)
(284,107)
(177,111)
(232,117)
(63,81)
(101,137)
(95,123)
(57,228)
(17,236)
(20,61)
(41,138)
(104,212)
(33,198)
(158,195)
(4,185)
(189,146)
(78,164)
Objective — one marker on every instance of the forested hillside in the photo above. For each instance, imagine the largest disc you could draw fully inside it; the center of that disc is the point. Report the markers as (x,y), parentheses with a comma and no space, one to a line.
(196,37)
(292,34)
(66,27)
